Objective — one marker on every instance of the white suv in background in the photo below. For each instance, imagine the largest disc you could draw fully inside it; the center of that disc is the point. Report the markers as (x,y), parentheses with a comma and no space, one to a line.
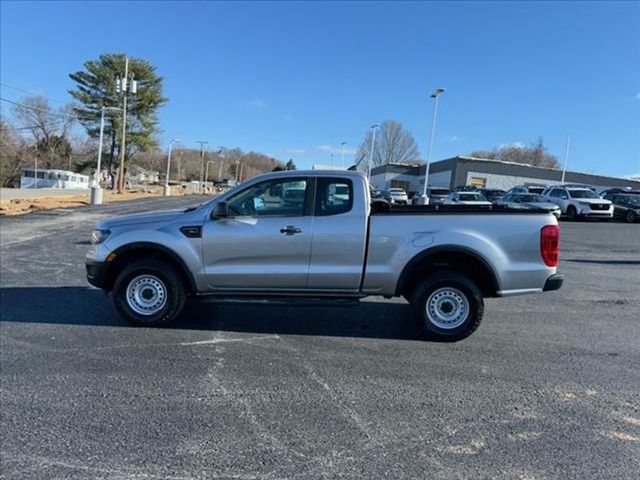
(578,202)
(399,196)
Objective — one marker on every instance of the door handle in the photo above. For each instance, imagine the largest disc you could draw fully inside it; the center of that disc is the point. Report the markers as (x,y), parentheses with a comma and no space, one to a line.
(290,230)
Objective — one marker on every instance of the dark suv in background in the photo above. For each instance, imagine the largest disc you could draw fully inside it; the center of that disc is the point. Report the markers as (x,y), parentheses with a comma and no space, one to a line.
(492,194)
(626,204)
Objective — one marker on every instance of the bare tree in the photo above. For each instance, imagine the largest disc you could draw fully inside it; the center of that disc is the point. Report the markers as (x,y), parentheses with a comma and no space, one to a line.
(535,154)
(49,128)
(15,154)
(393,144)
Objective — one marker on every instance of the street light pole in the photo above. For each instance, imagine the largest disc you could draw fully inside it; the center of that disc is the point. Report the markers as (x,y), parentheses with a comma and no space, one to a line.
(96,190)
(373,143)
(342,158)
(566,157)
(424,199)
(167,190)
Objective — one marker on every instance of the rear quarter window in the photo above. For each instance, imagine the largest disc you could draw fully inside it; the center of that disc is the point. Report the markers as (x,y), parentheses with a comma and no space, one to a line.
(333,196)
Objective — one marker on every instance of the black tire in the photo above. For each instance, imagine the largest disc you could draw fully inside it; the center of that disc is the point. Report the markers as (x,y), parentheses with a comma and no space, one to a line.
(572,213)
(162,281)
(630,217)
(455,289)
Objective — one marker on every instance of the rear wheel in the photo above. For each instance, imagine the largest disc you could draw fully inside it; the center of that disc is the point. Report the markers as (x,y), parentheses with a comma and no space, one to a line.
(447,306)
(572,213)
(149,293)
(631,216)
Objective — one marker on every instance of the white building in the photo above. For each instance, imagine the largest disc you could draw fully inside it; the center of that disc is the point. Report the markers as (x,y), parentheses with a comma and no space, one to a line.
(53,179)
(482,173)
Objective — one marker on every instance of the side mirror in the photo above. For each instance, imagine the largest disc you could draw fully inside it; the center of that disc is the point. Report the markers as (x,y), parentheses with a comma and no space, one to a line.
(221,210)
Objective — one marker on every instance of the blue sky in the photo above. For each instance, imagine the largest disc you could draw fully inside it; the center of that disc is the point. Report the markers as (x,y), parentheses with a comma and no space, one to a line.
(296,79)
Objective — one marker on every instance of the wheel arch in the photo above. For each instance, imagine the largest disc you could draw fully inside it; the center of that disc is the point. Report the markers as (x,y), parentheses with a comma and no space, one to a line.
(453,258)
(141,250)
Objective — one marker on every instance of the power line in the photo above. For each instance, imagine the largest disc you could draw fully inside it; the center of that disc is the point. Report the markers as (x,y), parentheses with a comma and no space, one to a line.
(30,92)
(48,112)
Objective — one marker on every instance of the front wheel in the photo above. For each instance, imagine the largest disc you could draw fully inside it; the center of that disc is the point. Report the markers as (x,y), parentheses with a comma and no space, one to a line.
(447,306)
(149,293)
(572,213)
(630,216)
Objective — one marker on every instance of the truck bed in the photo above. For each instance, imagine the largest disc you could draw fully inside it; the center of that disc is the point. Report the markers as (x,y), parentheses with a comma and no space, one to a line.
(453,209)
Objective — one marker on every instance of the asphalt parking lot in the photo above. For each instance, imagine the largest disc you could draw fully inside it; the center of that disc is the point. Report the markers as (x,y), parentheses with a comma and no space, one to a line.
(548,387)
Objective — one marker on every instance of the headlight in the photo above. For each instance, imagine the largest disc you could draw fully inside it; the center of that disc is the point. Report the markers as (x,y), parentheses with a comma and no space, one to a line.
(99,236)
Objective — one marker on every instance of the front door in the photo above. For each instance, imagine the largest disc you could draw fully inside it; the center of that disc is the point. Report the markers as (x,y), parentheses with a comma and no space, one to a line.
(265,242)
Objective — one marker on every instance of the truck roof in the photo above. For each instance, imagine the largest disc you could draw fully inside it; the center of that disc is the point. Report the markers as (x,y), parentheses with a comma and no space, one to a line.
(310,173)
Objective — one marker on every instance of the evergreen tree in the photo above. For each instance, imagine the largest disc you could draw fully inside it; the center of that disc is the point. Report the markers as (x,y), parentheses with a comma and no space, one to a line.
(96,87)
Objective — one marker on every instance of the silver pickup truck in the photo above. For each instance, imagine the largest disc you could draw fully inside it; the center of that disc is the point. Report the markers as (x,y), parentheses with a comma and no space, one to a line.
(317,234)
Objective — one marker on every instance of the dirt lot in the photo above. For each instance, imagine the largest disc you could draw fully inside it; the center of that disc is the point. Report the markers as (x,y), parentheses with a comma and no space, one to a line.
(19,206)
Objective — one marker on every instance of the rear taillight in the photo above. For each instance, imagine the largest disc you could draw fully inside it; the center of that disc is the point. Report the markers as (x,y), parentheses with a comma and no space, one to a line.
(550,245)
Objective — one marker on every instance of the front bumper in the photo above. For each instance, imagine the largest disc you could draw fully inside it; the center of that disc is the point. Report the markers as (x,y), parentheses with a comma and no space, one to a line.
(97,273)
(554,282)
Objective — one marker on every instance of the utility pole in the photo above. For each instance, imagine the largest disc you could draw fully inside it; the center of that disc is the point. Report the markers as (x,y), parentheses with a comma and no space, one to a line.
(206,175)
(179,164)
(566,157)
(35,170)
(342,159)
(222,148)
(241,169)
(202,144)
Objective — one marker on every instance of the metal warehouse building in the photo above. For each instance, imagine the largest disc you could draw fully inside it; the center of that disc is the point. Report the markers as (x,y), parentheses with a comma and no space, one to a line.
(483,173)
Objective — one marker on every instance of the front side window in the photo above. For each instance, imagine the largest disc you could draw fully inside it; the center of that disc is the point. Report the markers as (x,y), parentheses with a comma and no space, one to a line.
(333,196)
(272,198)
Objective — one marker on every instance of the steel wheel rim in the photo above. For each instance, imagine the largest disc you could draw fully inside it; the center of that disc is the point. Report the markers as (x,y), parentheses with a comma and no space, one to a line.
(447,308)
(146,295)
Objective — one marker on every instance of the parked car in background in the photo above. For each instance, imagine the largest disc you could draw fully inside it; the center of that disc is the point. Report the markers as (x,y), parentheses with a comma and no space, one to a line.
(531,201)
(466,198)
(526,189)
(626,206)
(437,195)
(465,188)
(399,196)
(605,193)
(492,194)
(578,202)
(382,194)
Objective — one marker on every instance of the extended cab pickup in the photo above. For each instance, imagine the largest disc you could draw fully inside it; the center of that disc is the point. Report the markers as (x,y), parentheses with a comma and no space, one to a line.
(317,234)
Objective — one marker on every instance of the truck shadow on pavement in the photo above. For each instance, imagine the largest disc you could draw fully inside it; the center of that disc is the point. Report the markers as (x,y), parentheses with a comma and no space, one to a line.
(90,307)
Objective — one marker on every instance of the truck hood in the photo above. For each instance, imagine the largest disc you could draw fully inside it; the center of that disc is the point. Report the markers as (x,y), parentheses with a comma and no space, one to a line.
(139,218)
